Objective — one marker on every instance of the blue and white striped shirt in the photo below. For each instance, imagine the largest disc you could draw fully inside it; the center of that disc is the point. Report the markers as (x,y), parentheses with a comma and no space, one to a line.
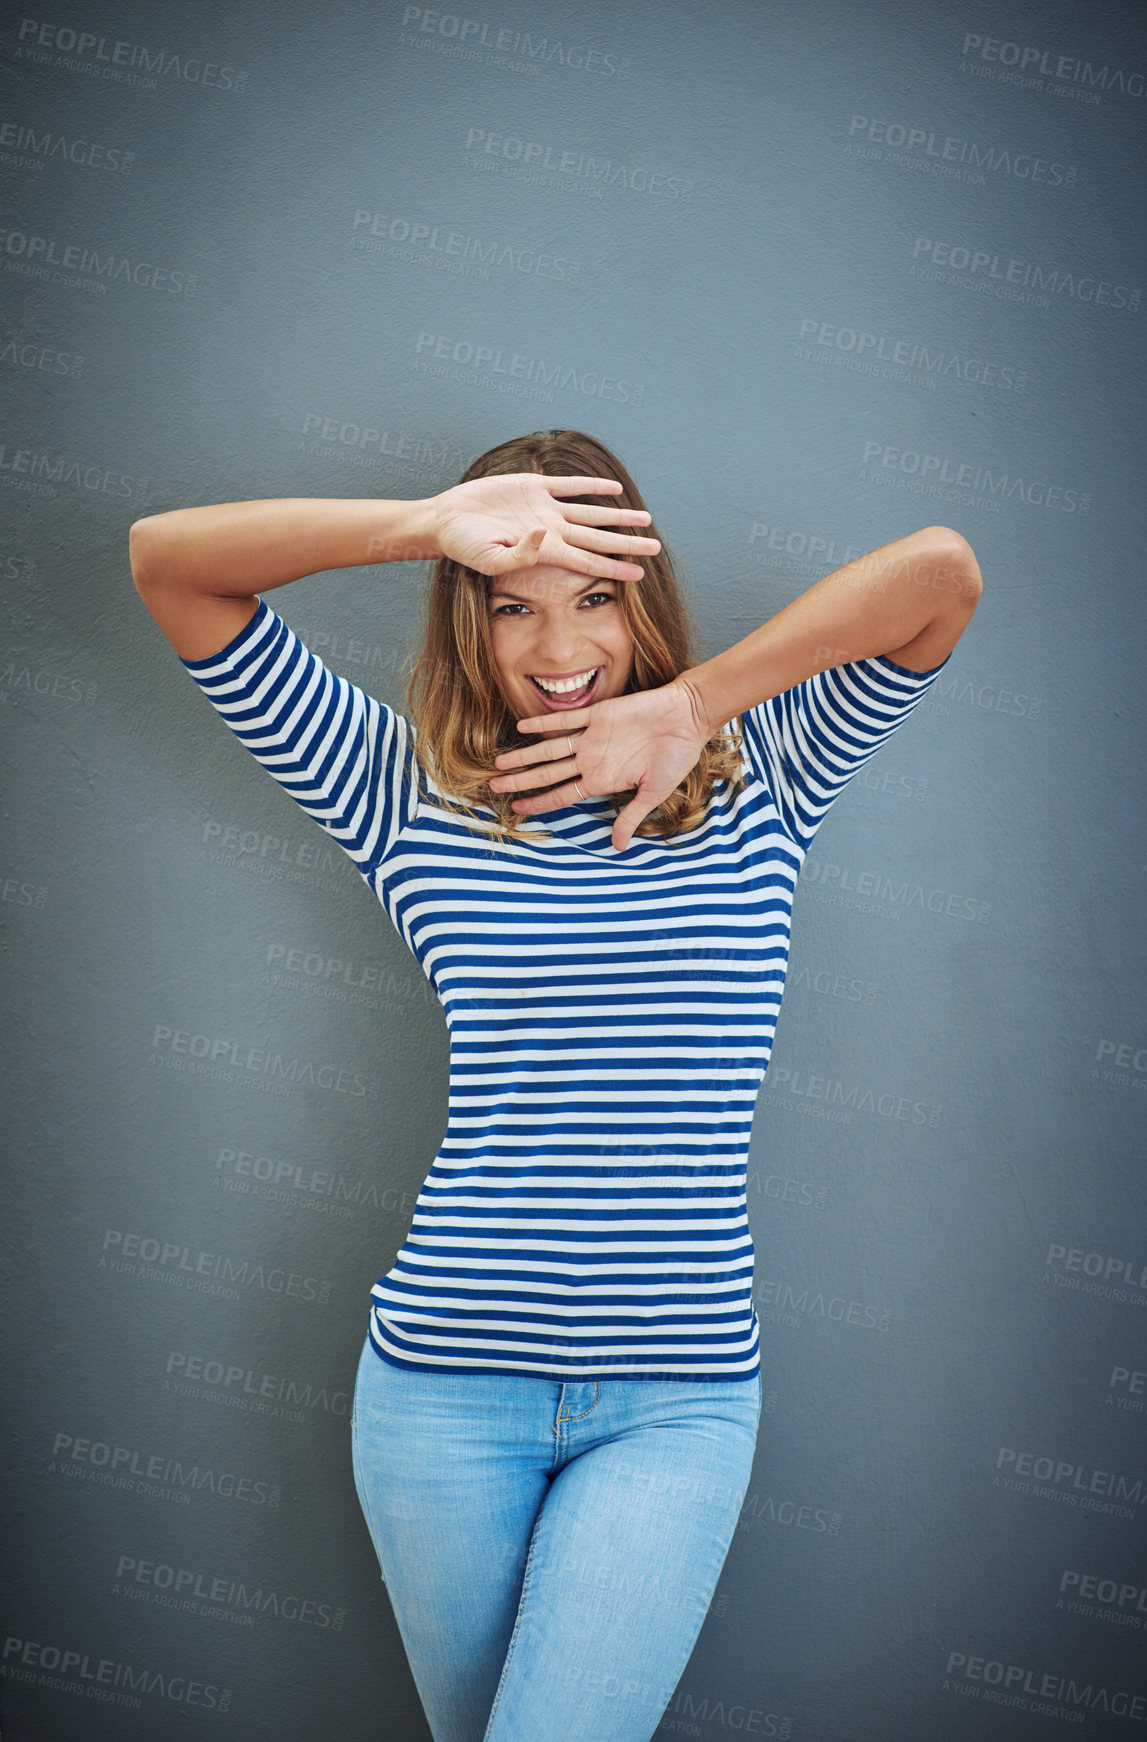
(611,1016)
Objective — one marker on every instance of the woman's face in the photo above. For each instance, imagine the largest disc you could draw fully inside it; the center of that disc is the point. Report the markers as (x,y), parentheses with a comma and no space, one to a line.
(550,628)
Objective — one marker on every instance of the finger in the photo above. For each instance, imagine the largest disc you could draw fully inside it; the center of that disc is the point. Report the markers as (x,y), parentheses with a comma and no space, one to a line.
(561,721)
(557,800)
(597,538)
(589,514)
(599,567)
(539,774)
(545,750)
(581,486)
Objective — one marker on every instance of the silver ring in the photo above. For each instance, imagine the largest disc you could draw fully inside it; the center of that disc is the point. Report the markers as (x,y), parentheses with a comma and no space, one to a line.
(573,752)
(579,791)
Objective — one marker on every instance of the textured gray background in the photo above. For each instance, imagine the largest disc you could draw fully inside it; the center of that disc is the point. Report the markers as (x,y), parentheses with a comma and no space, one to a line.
(724,213)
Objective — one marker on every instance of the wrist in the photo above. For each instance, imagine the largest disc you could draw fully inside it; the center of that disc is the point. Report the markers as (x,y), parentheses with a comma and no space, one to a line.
(688,685)
(405,532)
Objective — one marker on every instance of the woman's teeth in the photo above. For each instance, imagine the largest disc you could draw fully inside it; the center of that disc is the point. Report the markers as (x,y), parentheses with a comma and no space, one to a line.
(566,685)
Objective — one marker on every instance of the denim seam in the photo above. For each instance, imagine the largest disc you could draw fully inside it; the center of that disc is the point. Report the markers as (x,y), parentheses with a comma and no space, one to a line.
(368,1509)
(517,1624)
(691,1645)
(568,1416)
(722,1557)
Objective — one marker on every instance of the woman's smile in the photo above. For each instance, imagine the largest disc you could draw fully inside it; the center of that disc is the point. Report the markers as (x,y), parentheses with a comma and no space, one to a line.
(568,692)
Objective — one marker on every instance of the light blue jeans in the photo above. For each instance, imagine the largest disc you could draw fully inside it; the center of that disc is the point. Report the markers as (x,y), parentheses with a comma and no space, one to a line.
(550,1550)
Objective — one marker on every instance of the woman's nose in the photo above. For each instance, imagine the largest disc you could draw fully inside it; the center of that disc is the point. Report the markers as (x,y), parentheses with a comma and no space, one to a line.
(557,641)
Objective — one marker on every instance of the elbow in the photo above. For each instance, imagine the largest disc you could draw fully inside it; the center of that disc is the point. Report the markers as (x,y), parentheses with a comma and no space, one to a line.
(141,545)
(950,560)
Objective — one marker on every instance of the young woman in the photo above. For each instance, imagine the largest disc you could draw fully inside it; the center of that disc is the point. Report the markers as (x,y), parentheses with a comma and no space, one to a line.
(591,844)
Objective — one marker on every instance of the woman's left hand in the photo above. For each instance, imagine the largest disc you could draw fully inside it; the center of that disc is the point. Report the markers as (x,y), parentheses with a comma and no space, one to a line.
(649,740)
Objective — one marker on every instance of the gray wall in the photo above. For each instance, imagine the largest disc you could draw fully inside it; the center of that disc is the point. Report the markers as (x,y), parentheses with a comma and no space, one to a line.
(822,273)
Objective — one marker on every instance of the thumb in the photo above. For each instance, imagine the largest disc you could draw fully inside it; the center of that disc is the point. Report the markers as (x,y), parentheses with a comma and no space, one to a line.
(627,820)
(525,553)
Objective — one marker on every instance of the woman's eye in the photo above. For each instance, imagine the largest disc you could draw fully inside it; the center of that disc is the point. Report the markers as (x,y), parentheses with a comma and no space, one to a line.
(514,607)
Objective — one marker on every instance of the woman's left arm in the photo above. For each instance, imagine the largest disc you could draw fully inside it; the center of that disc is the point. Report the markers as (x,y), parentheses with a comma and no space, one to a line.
(910,601)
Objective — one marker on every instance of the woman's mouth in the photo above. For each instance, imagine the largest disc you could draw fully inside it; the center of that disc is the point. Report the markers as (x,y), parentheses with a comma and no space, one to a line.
(574,691)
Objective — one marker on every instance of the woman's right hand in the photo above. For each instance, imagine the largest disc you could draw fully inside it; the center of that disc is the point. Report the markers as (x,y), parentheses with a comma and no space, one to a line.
(516,520)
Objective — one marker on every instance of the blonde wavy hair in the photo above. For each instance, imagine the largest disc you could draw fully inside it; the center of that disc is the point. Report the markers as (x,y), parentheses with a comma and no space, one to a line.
(455,696)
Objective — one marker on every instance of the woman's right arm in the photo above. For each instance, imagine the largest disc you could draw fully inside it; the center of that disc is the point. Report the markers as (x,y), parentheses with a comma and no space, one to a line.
(198,570)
